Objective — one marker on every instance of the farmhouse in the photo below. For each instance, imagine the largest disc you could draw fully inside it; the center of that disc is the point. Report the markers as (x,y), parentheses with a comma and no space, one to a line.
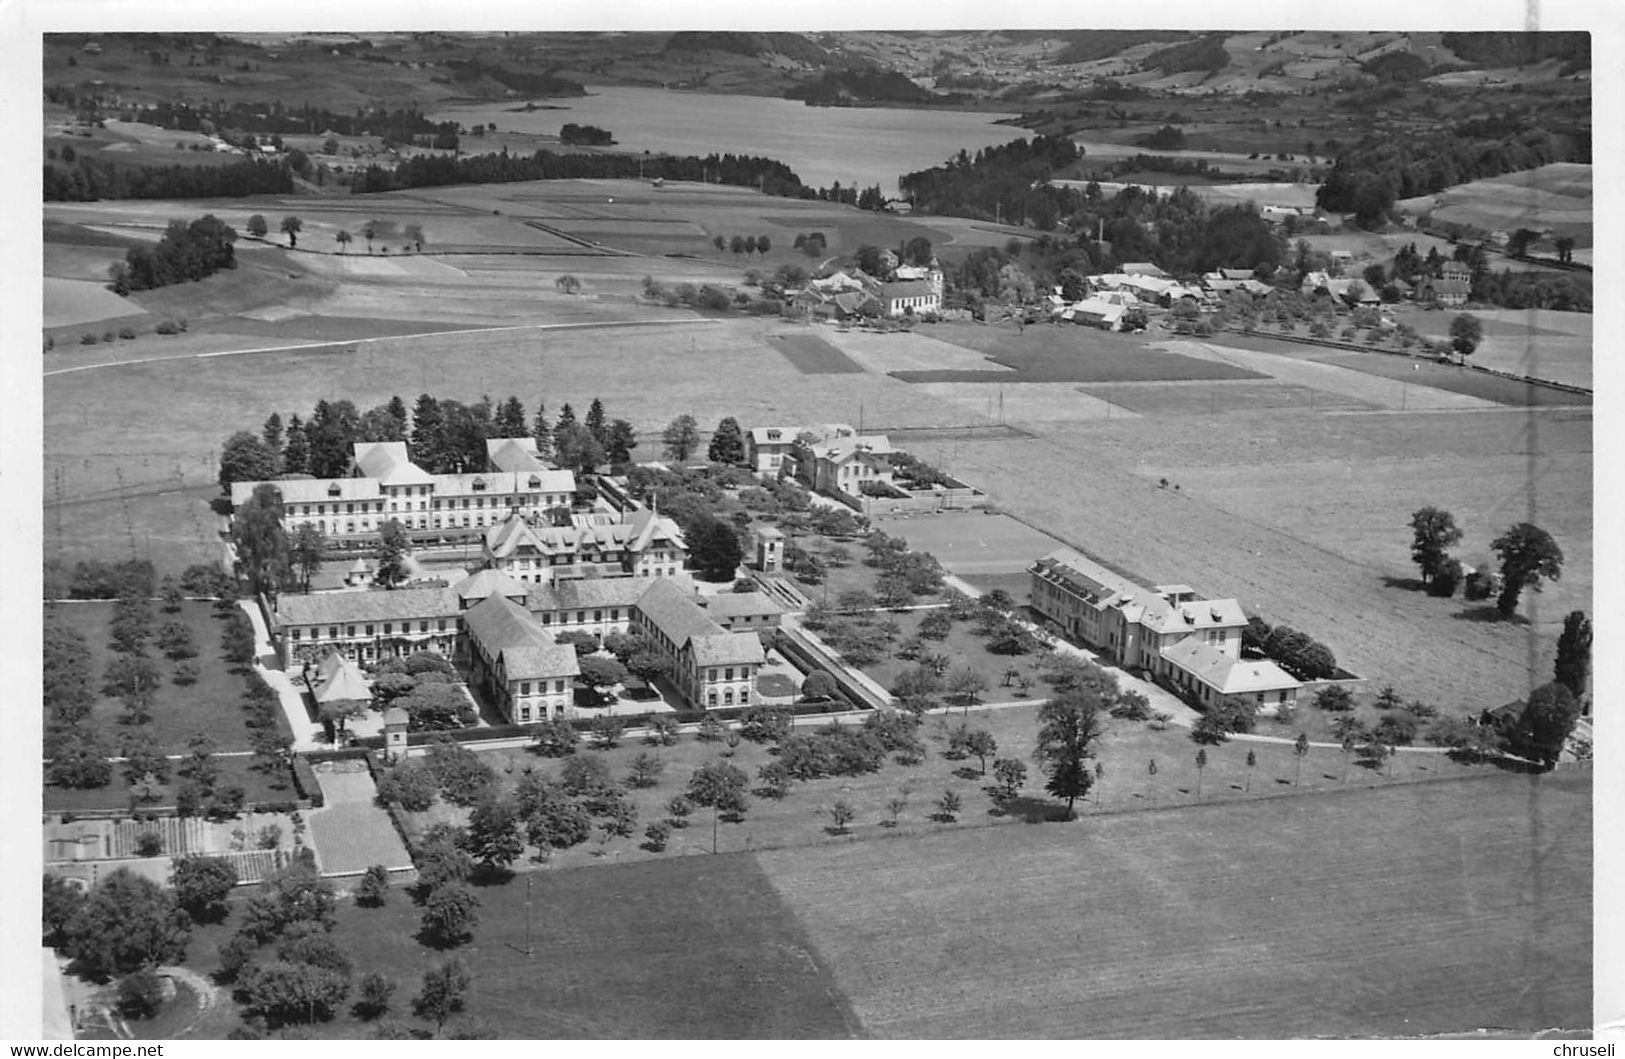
(1140,627)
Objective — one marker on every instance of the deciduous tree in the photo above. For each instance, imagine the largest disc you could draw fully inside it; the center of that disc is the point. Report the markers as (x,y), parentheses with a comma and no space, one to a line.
(1528,555)
(1069,727)
(681,437)
(201,886)
(445,988)
(127,923)
(1434,532)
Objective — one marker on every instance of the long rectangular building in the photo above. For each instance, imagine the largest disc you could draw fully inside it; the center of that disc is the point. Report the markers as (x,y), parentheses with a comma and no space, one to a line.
(1168,631)
(385,484)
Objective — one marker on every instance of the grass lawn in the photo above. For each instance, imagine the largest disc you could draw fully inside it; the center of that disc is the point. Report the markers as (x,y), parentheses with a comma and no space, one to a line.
(1050,353)
(234,771)
(688,947)
(965,648)
(1414,910)
(210,706)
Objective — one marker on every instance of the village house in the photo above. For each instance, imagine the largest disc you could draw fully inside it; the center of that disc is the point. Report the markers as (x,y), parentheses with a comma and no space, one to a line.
(711,667)
(766,448)
(520,669)
(1453,287)
(1139,628)
(840,465)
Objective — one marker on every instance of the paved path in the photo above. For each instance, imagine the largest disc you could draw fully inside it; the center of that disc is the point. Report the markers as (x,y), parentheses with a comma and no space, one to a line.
(307,735)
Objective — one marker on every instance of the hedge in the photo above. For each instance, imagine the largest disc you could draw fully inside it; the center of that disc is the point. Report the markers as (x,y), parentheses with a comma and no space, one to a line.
(304,781)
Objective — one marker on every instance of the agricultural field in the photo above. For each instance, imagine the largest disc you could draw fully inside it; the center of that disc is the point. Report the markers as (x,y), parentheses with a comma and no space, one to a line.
(1556,196)
(1048,354)
(1540,343)
(1291,917)
(1429,374)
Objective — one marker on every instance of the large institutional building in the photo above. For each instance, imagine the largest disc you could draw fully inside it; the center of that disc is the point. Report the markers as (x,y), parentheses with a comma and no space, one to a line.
(385,484)
(1191,643)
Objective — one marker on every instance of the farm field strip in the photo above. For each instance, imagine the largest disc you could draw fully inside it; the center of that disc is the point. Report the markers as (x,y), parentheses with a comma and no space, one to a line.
(1253,920)
(1027,403)
(811,355)
(1219,398)
(81,301)
(883,353)
(1329,378)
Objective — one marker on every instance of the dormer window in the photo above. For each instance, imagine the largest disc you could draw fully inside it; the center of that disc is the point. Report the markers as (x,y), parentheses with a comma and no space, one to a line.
(479,485)
(535,482)
(774,435)
(333,489)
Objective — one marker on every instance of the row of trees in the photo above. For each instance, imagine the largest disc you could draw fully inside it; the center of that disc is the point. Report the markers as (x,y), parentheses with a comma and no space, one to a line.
(743,244)
(86,179)
(443,436)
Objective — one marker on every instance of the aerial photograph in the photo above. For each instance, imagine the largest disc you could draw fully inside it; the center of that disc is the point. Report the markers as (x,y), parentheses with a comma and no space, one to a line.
(736,533)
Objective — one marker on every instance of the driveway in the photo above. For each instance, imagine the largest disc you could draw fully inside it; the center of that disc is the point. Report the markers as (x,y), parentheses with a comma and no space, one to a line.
(307,734)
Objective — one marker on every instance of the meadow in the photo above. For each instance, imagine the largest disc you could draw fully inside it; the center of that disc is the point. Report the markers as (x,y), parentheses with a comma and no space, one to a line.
(1409,911)
(1556,196)
(1049,353)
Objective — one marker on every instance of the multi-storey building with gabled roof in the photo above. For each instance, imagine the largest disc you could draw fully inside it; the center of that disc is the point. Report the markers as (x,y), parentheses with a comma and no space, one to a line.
(529,549)
(1166,630)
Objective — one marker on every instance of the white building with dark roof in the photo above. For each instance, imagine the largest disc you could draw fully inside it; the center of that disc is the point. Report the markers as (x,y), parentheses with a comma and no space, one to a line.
(385,484)
(1139,628)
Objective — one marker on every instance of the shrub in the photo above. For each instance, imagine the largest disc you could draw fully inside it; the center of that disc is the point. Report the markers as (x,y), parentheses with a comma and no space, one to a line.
(764,724)
(1479,585)
(1446,579)
(410,785)
(167,327)
(1334,698)
(141,994)
(126,332)
(555,738)
(656,835)
(818,685)
(88,339)
(148,844)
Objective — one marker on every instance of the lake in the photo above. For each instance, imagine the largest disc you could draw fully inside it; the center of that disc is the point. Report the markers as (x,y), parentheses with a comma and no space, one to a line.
(854,145)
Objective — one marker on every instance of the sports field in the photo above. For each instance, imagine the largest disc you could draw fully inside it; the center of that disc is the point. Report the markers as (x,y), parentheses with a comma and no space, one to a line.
(1428,909)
